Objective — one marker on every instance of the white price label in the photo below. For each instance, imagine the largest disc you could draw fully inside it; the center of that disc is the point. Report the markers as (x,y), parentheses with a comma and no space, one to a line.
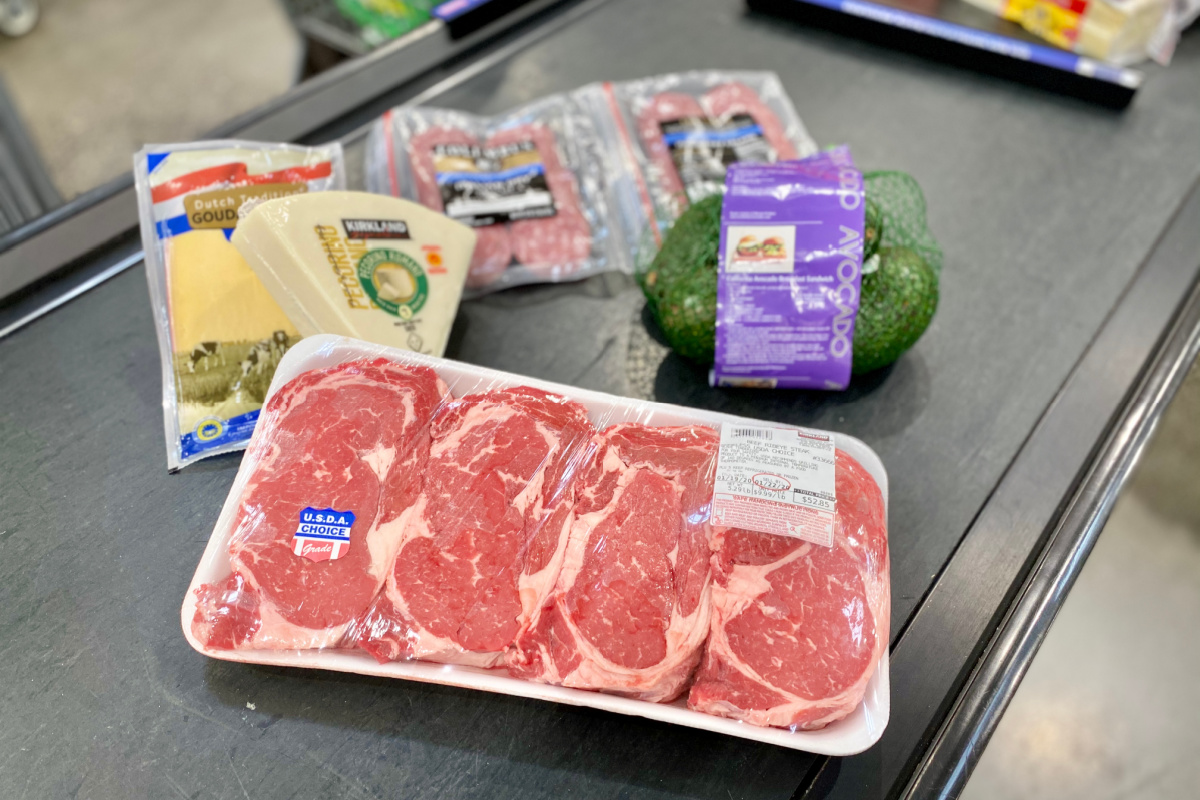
(776,480)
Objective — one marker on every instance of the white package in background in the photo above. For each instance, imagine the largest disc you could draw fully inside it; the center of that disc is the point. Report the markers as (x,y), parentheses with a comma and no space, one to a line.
(220,333)
(488,530)
(536,184)
(681,130)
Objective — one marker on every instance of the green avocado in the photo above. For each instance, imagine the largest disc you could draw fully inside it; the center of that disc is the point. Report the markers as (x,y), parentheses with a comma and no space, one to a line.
(872,229)
(680,284)
(896,306)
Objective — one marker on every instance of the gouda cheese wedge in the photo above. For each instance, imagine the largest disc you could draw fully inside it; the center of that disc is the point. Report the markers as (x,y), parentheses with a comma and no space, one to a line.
(214,295)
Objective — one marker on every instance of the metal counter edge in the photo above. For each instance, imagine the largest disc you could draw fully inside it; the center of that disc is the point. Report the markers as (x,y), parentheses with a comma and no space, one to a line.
(958,663)
(962,738)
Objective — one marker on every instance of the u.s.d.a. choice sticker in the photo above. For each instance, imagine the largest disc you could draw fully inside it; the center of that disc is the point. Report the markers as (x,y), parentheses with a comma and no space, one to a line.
(776,480)
(323,534)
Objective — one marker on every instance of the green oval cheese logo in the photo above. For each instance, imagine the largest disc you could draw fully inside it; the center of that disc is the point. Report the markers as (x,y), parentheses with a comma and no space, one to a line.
(394,281)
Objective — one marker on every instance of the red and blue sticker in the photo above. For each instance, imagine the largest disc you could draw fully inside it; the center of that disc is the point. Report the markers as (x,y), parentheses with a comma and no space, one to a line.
(323,534)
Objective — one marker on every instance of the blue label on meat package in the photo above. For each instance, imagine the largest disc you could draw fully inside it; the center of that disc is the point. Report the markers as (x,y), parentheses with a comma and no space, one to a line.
(694,136)
(483,186)
(323,534)
(703,148)
(528,170)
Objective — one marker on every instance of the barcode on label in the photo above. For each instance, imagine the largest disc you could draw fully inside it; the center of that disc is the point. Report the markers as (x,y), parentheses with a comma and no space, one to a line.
(753,433)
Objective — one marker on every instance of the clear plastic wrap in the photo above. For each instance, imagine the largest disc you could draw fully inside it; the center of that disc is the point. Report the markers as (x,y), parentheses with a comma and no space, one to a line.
(682,129)
(486,538)
(220,333)
(630,609)
(771,589)
(536,184)
(502,533)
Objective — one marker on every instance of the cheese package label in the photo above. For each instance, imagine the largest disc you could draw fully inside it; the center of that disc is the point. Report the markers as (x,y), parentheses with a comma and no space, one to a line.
(220,331)
(364,265)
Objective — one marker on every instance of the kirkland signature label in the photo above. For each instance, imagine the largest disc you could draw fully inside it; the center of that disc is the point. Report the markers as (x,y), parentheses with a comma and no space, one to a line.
(376,229)
(776,480)
(703,149)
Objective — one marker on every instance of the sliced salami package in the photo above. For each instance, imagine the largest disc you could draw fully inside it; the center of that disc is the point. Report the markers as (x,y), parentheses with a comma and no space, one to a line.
(535,183)
(407,516)
(681,130)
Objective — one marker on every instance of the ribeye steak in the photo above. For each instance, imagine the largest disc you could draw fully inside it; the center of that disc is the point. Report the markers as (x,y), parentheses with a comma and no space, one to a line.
(630,610)
(352,438)
(482,549)
(797,628)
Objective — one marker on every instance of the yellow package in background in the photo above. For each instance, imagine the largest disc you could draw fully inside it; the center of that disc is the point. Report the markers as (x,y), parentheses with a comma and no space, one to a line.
(1116,31)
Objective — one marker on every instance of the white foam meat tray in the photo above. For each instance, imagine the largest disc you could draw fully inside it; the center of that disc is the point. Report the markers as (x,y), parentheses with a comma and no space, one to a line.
(853,734)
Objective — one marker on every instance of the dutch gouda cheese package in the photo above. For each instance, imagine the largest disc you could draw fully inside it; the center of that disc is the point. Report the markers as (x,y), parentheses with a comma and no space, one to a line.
(364,265)
(220,332)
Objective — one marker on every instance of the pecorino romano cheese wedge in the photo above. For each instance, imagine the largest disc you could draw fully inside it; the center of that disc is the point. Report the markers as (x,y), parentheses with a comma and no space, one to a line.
(364,265)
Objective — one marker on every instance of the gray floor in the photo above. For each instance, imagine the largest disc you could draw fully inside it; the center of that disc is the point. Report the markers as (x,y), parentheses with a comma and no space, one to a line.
(97,79)
(1109,709)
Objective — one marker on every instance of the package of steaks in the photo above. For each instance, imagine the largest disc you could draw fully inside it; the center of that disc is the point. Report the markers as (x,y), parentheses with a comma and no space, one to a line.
(681,131)
(535,183)
(406,516)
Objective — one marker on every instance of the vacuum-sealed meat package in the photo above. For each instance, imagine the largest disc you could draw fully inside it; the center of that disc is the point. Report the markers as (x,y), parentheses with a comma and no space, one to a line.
(403,515)
(683,129)
(536,184)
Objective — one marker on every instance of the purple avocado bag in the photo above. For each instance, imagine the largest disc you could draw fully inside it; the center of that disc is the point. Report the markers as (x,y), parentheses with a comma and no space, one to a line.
(789,275)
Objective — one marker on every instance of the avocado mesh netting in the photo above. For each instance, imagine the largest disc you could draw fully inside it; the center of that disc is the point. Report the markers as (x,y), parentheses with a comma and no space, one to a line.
(679,278)
(902,204)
